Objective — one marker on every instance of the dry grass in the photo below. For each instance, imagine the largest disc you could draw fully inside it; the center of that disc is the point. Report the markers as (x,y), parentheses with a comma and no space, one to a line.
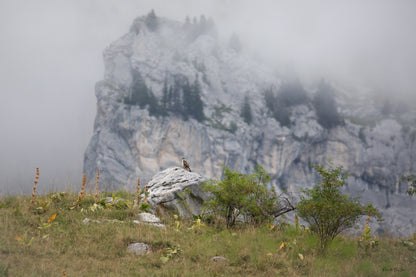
(68,247)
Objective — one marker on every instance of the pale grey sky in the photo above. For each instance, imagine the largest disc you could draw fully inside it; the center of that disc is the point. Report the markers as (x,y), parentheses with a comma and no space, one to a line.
(51,58)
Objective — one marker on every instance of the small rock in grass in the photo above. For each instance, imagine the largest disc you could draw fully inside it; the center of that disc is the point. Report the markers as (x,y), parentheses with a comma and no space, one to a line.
(159,225)
(219,259)
(88,220)
(148,218)
(139,248)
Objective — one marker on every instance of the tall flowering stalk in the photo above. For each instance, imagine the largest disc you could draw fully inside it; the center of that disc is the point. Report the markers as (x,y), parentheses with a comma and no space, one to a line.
(96,186)
(81,193)
(33,201)
(146,192)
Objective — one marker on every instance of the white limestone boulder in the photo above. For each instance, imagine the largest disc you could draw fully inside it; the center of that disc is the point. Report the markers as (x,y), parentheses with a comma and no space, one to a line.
(177,190)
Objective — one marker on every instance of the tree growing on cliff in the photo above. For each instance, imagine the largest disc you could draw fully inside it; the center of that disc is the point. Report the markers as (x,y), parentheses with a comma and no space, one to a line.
(292,94)
(139,93)
(192,105)
(154,107)
(152,21)
(176,97)
(143,96)
(197,108)
(246,111)
(327,210)
(326,107)
(165,97)
(279,103)
(279,111)
(186,100)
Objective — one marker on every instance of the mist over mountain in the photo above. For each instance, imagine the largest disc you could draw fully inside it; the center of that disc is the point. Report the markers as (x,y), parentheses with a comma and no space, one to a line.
(175,88)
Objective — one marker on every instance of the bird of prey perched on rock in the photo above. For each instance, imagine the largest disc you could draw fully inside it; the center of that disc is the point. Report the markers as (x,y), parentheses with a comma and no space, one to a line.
(185,165)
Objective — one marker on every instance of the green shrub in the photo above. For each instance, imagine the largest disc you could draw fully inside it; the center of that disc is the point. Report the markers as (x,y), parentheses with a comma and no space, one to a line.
(327,210)
(246,195)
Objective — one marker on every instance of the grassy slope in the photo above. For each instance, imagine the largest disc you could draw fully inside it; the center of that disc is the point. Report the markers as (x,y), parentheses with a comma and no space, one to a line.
(100,249)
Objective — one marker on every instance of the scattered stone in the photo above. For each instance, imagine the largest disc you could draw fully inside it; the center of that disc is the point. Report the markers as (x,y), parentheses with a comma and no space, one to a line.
(88,220)
(113,221)
(139,248)
(219,259)
(159,225)
(148,218)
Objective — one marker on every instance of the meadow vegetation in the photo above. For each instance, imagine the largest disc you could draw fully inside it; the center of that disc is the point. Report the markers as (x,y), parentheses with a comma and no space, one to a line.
(46,236)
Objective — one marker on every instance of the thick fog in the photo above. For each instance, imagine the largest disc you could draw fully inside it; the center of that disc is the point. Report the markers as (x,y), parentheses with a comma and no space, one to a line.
(51,58)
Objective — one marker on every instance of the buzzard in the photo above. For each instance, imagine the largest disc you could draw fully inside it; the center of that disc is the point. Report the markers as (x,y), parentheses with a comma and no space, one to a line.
(185,165)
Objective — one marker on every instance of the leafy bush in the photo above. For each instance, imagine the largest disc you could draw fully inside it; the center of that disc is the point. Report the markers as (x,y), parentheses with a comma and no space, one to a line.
(246,195)
(327,210)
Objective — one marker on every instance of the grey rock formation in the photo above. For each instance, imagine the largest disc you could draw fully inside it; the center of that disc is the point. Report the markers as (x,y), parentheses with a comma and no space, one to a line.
(176,190)
(139,248)
(129,143)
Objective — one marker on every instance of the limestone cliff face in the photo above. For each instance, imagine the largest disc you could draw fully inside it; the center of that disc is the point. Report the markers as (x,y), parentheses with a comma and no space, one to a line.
(129,143)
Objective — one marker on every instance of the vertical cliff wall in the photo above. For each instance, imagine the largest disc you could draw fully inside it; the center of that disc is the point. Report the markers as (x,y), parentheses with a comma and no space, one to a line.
(139,130)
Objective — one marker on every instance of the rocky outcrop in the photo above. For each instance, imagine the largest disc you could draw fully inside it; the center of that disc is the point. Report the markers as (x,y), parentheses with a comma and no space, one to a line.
(130,141)
(176,190)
